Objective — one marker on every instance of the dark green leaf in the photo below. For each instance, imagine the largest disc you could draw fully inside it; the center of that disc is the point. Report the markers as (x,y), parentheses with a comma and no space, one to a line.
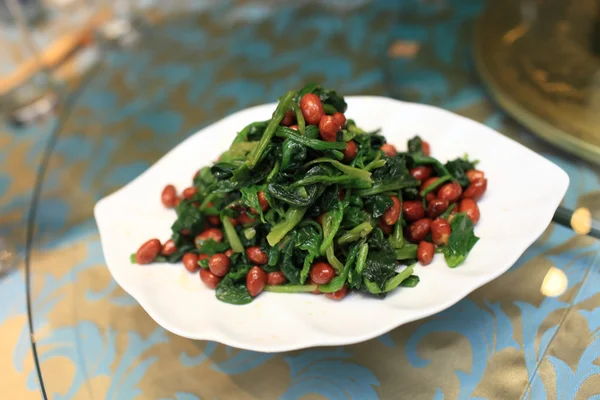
(353,216)
(378,204)
(293,155)
(461,241)
(415,145)
(458,169)
(223,170)
(189,218)
(380,267)
(211,247)
(411,281)
(231,292)
(303,196)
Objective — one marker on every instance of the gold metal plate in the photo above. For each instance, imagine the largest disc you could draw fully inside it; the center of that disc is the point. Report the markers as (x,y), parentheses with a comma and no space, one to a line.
(541,62)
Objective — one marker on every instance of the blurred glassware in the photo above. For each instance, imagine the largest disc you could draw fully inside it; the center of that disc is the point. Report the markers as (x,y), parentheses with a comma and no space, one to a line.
(8,256)
(52,43)
(540,60)
(26,88)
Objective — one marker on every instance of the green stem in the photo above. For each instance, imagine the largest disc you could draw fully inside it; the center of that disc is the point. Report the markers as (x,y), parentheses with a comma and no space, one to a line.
(434,186)
(278,115)
(358,232)
(273,172)
(329,109)
(333,260)
(292,217)
(390,284)
(290,288)
(361,260)
(397,237)
(299,118)
(232,236)
(408,252)
(314,144)
(448,211)
(207,200)
(345,180)
(346,169)
(390,187)
(243,134)
(411,281)
(374,164)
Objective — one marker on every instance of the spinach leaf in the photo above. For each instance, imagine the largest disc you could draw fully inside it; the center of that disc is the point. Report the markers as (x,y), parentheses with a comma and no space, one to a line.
(394,169)
(238,152)
(327,96)
(331,224)
(338,282)
(401,183)
(223,170)
(293,155)
(287,265)
(461,241)
(250,199)
(411,193)
(231,292)
(308,239)
(353,216)
(415,145)
(251,132)
(211,247)
(256,130)
(325,202)
(203,179)
(307,141)
(302,196)
(391,284)
(378,204)
(343,180)
(331,97)
(458,168)
(380,268)
(189,218)
(377,241)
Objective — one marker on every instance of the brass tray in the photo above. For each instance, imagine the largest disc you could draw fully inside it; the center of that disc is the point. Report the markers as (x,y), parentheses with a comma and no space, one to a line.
(540,60)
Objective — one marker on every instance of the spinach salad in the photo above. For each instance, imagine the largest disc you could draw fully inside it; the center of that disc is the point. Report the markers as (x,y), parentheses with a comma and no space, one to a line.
(307,201)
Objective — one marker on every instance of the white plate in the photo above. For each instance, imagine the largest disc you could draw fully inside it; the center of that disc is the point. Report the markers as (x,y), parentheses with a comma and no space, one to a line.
(524,190)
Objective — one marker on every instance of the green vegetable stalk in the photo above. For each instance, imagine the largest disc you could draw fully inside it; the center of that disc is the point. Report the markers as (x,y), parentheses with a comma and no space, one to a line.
(299,118)
(292,217)
(315,144)
(290,288)
(407,252)
(346,169)
(390,284)
(282,107)
(232,236)
(338,282)
(356,233)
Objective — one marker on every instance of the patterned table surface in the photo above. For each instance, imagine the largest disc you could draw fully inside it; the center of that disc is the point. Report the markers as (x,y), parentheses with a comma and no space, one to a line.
(521,336)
